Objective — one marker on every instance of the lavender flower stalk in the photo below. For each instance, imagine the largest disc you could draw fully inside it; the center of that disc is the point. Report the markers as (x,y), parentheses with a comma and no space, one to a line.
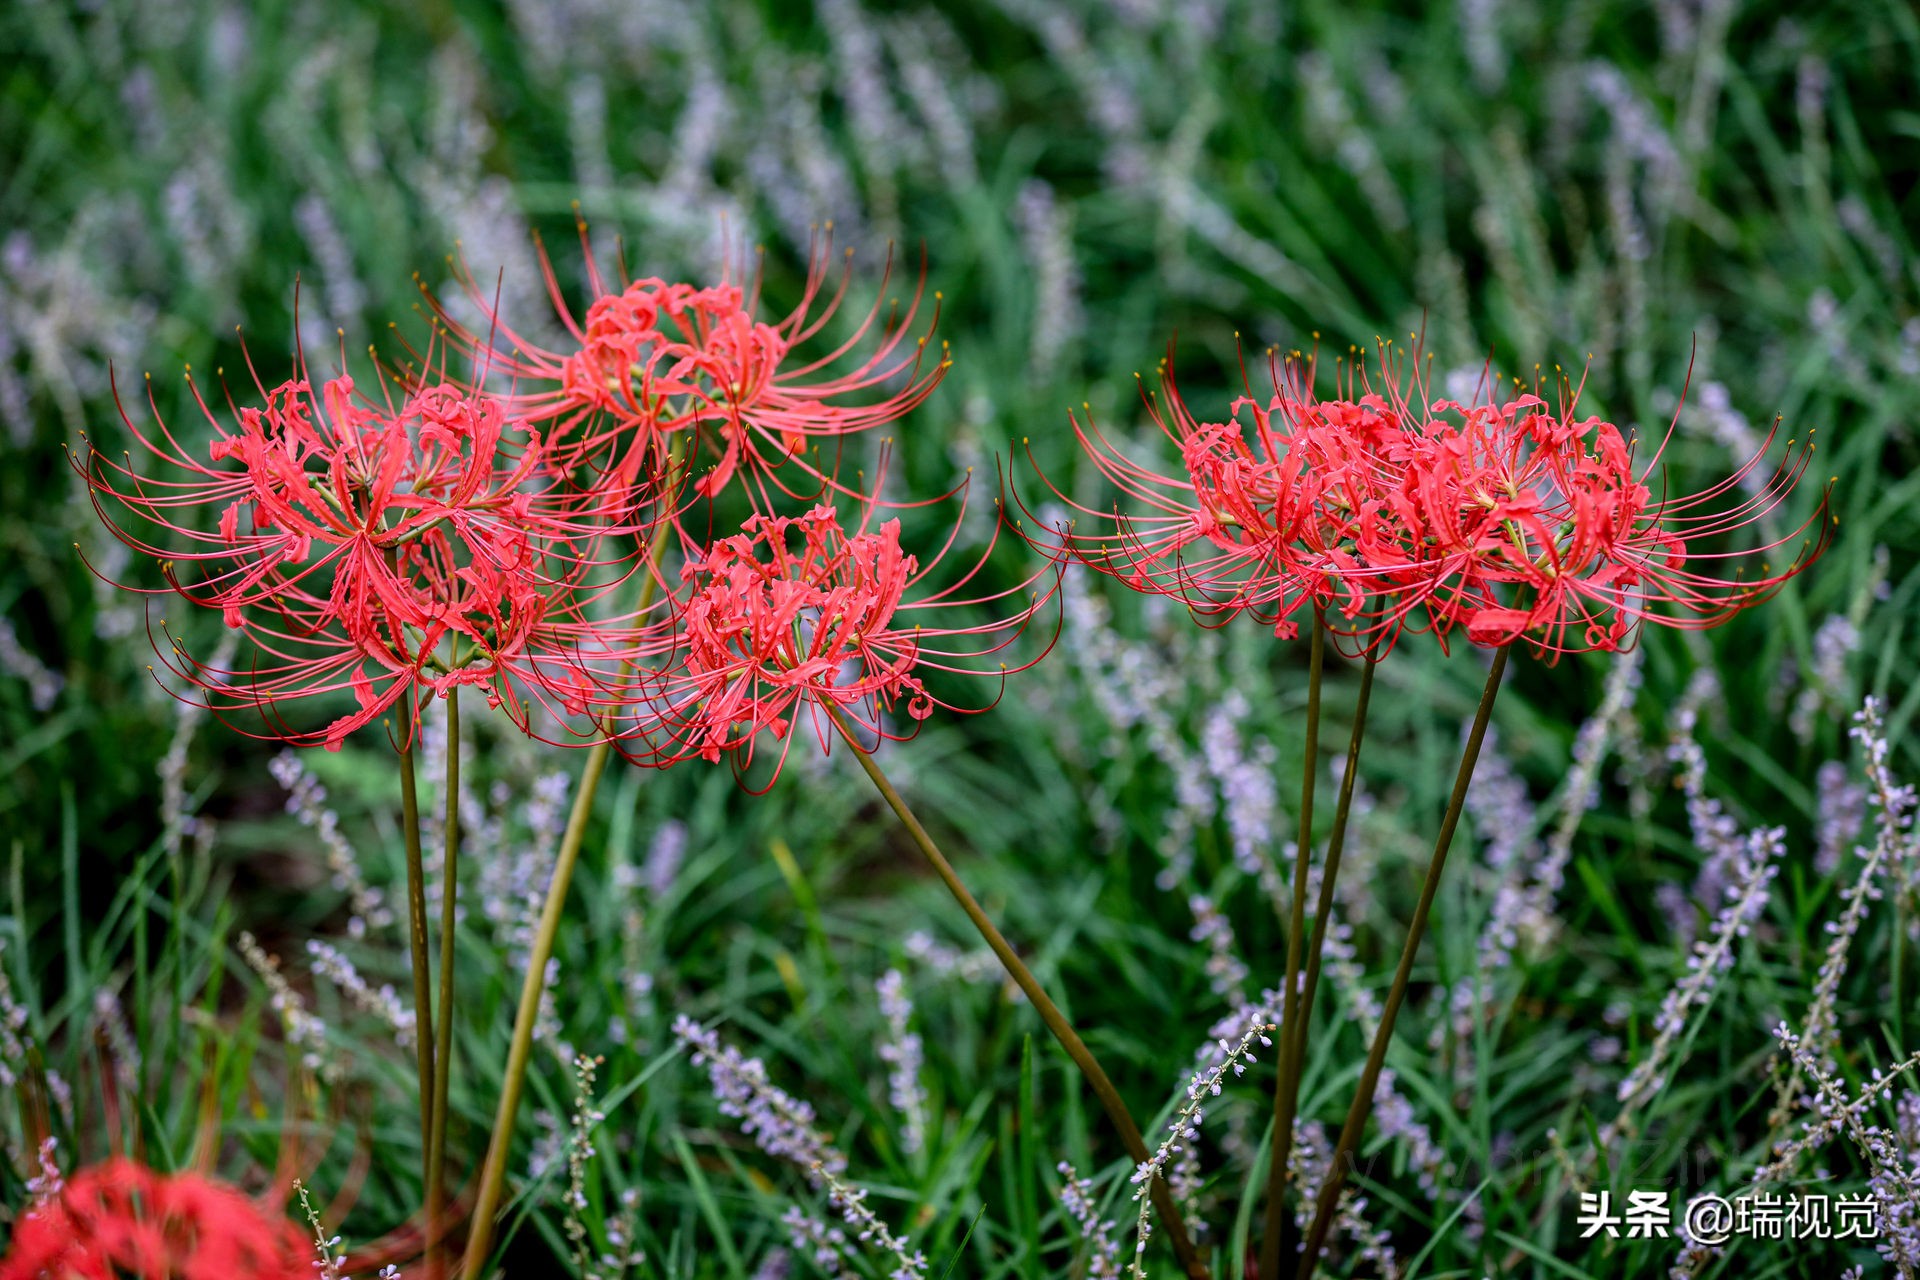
(1841,810)
(780,1124)
(1310,1161)
(783,1127)
(15,1041)
(110,1024)
(1716,833)
(869,1229)
(902,1053)
(1891,1178)
(304,1032)
(1076,1198)
(1186,1127)
(48,1182)
(306,800)
(1226,972)
(1825,1122)
(1894,819)
(381,1002)
(580,1153)
(43,683)
(1837,640)
(1745,898)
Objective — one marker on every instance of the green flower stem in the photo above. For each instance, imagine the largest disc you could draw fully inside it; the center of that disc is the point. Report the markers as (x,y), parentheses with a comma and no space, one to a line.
(1191,1263)
(443,1025)
(493,1175)
(1336,845)
(1285,1087)
(1294,1050)
(417,940)
(1357,1114)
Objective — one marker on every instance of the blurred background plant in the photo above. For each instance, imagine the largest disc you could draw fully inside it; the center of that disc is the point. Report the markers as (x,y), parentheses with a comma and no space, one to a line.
(1695,193)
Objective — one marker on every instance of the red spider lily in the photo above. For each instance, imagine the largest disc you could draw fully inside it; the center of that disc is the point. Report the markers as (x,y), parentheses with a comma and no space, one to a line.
(120,1219)
(800,613)
(1398,512)
(653,357)
(389,552)
(1535,525)
(75,1227)
(1268,514)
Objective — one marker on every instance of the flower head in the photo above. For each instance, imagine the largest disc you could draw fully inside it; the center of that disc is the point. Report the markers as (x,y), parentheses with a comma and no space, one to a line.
(653,357)
(1388,510)
(801,612)
(1270,511)
(378,550)
(1522,521)
(120,1218)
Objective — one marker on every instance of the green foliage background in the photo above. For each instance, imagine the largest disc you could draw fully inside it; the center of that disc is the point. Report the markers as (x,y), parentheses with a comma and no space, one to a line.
(1714,195)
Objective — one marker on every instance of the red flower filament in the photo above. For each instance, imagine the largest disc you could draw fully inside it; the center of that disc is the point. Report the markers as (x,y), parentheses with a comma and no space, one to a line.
(654,357)
(795,612)
(379,552)
(1393,511)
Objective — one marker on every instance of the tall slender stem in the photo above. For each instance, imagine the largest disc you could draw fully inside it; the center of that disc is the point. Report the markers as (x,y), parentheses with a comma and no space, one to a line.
(143,999)
(493,1175)
(1350,1132)
(1190,1260)
(1336,845)
(443,1024)
(417,943)
(1284,1087)
(532,987)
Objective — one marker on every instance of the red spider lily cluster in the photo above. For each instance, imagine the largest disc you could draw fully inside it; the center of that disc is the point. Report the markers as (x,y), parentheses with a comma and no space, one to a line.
(121,1219)
(652,358)
(798,611)
(1390,511)
(506,532)
(386,550)
(644,536)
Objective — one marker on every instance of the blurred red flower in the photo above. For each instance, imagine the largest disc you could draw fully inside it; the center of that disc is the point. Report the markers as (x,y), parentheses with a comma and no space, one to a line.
(121,1219)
